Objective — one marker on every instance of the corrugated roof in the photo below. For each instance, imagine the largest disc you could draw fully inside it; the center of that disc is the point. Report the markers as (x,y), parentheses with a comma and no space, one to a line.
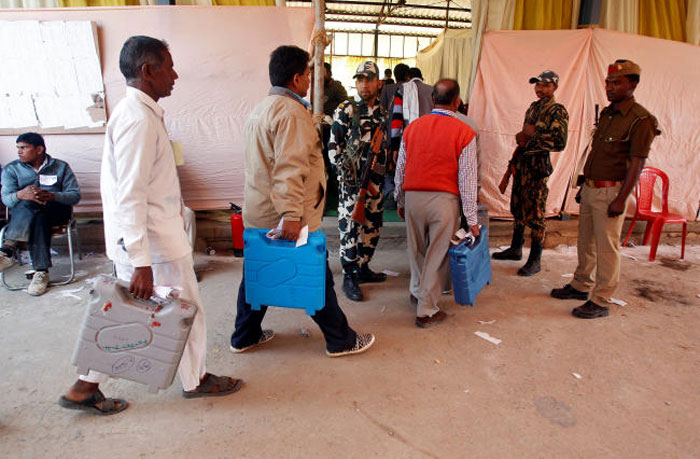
(409,17)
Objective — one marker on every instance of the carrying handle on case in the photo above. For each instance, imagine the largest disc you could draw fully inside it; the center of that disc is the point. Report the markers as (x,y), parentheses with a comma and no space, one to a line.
(122,290)
(477,240)
(277,242)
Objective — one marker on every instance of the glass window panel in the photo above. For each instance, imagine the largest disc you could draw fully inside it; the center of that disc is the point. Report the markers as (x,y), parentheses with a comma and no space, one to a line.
(410,46)
(354,44)
(384,48)
(424,42)
(396,46)
(368,44)
(340,44)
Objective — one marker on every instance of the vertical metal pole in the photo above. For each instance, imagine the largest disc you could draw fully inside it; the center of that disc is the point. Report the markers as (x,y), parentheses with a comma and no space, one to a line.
(447,15)
(320,9)
(376,42)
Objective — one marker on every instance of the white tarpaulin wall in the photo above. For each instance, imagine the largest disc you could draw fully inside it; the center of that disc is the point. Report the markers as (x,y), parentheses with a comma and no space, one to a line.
(221,55)
(668,89)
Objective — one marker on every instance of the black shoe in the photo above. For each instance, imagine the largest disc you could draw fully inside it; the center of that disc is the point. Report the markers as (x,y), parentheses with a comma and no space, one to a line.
(590,310)
(366,275)
(532,266)
(515,251)
(568,293)
(351,287)
(511,253)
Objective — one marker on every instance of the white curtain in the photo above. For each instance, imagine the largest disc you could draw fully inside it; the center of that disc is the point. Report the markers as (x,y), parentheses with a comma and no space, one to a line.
(449,56)
(501,14)
(429,60)
(622,15)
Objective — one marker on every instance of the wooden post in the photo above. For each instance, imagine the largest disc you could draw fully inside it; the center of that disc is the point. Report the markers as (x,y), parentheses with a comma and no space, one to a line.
(319,49)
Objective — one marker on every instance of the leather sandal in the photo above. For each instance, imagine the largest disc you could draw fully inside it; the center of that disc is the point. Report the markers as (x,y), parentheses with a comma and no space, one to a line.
(214,386)
(97,403)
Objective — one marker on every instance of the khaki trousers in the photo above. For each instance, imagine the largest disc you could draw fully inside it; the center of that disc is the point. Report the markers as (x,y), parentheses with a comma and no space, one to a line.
(432,217)
(598,245)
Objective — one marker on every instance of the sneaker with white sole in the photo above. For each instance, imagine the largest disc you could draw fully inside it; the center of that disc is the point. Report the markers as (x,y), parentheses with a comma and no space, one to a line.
(39,283)
(5,261)
(362,343)
(266,336)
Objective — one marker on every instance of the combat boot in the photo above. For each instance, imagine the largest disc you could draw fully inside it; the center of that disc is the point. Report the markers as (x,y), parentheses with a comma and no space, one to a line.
(369,276)
(532,266)
(351,286)
(515,251)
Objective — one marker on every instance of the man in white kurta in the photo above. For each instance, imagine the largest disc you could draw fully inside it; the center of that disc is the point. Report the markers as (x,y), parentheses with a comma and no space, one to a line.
(144,216)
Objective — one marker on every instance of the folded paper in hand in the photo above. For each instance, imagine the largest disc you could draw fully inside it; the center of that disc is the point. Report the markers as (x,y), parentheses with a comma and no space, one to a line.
(277,233)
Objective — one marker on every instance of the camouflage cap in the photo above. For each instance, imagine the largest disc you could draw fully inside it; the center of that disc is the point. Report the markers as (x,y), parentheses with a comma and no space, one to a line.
(367,69)
(548,76)
(623,67)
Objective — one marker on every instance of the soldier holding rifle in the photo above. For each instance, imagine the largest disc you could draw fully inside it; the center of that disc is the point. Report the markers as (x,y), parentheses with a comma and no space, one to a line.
(356,126)
(544,131)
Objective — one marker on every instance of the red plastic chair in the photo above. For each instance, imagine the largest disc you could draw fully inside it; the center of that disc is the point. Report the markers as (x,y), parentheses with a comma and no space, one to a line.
(644,192)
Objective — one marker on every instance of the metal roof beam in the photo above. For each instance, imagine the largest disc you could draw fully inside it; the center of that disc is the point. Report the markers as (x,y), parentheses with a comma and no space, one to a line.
(379,5)
(404,34)
(439,25)
(397,16)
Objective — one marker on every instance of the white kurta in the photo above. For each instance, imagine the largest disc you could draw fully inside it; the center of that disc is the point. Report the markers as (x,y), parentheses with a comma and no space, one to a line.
(143,215)
(140,190)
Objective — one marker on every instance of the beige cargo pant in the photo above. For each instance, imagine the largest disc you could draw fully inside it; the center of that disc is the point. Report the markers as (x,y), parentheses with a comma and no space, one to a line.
(598,245)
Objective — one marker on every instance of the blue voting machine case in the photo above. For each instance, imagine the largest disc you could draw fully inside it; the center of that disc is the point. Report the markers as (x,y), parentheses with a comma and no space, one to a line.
(471,268)
(279,274)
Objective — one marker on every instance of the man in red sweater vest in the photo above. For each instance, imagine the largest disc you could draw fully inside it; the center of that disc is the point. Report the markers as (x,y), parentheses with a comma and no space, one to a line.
(436,168)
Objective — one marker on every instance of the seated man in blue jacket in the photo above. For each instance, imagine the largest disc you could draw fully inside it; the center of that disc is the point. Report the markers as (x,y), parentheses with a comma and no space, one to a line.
(40,192)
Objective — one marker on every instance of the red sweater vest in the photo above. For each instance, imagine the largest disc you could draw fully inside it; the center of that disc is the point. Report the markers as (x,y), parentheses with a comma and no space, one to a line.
(433,145)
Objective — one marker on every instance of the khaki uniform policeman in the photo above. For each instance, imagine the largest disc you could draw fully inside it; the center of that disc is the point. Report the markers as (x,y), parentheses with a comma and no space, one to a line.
(545,130)
(354,124)
(619,148)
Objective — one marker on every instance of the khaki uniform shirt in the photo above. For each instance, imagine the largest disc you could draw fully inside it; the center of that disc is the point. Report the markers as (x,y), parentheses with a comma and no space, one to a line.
(622,133)
(284,171)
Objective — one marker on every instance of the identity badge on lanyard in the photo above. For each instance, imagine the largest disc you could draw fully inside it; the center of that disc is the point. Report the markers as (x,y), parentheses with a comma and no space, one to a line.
(48,180)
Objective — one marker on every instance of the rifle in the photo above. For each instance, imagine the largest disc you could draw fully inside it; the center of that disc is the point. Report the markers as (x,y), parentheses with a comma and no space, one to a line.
(579,168)
(509,172)
(358,213)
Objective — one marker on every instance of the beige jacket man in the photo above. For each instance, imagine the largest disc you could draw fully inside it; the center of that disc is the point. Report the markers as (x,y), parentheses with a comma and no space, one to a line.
(290,184)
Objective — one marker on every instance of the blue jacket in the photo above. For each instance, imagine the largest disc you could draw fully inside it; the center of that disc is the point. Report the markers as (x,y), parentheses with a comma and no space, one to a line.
(55,176)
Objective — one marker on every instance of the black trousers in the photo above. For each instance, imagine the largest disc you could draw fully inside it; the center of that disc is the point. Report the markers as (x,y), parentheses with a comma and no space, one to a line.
(331,320)
(31,222)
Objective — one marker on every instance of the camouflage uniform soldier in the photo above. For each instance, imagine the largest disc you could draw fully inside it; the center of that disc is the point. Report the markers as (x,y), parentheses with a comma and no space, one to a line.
(354,124)
(544,131)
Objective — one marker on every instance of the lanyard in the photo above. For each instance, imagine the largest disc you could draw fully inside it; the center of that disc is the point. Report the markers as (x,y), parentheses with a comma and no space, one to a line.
(434,112)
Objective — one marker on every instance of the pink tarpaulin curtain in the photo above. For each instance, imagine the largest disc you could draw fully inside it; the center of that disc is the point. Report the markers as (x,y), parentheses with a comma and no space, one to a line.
(668,89)
(221,55)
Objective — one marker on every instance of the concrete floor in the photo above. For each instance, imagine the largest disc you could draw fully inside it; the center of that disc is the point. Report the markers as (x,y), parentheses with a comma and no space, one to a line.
(440,392)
